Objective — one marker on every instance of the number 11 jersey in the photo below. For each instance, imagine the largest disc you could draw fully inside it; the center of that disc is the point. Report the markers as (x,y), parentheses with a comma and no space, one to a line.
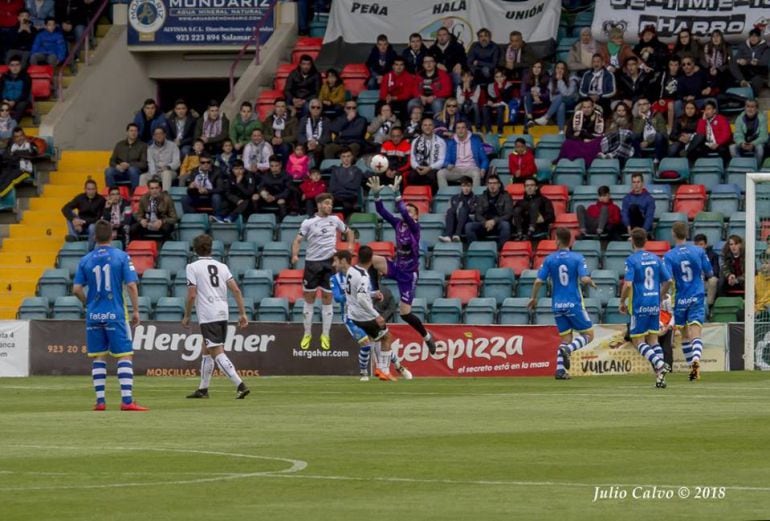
(210,278)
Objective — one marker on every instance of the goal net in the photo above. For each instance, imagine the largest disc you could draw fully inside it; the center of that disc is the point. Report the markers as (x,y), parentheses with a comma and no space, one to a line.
(757,273)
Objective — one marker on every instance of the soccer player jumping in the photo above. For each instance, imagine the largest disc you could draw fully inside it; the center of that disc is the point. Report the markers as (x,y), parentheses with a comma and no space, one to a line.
(688,264)
(567,270)
(646,280)
(406,266)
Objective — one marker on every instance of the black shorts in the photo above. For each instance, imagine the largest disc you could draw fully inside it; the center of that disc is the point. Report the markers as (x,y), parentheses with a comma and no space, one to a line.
(318,274)
(214,333)
(372,329)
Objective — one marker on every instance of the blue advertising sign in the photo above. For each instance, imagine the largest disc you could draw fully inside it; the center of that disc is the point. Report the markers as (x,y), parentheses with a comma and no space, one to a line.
(198,23)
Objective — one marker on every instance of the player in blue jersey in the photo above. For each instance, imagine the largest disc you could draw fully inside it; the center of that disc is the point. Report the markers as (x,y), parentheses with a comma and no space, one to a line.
(104,272)
(358,334)
(567,270)
(688,265)
(646,281)
(405,267)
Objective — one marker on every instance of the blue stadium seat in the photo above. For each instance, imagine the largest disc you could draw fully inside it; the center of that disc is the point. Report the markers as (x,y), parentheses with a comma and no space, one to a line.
(431,227)
(242,257)
(54,283)
(498,284)
(544,313)
(70,255)
(613,314)
(191,225)
(33,308)
(514,311)
(591,250)
(634,165)
(603,172)
(297,311)
(232,308)
(430,285)
(548,154)
(594,308)
(583,195)
(179,286)
(67,307)
(499,166)
(551,141)
(228,233)
(260,228)
(443,197)
(544,169)
(481,255)
(388,200)
(725,199)
(155,284)
(273,310)
(675,164)
(526,281)
(257,284)
(710,224)
(177,193)
(736,225)
(606,285)
(737,170)
(169,309)
(174,255)
(570,173)
(145,308)
(480,311)
(447,257)
(446,311)
(289,227)
(276,256)
(707,171)
(665,222)
(662,196)
(615,256)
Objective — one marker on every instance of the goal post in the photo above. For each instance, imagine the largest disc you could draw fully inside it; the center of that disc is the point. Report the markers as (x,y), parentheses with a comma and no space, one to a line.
(755,343)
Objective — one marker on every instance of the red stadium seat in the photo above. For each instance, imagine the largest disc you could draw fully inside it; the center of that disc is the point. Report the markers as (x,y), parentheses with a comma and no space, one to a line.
(42,80)
(420,196)
(296,54)
(690,199)
(516,191)
(558,195)
(566,220)
(143,255)
(354,77)
(544,249)
(266,100)
(384,248)
(516,255)
(124,192)
(288,285)
(283,71)
(659,248)
(464,284)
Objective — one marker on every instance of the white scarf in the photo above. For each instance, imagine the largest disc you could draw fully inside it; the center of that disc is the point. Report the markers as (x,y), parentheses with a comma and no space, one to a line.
(710,138)
(314,132)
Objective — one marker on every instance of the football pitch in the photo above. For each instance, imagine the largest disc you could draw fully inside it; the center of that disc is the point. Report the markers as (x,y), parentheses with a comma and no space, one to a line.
(333,448)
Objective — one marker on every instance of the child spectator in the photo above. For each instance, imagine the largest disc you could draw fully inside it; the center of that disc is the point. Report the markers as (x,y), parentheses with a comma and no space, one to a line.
(499,93)
(225,161)
(191,162)
(521,162)
(49,46)
(298,163)
(312,186)
(468,95)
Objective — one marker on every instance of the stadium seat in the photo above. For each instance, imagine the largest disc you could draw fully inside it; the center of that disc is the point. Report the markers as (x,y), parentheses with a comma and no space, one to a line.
(298,312)
(281,74)
(481,255)
(260,228)
(464,285)
(737,224)
(480,311)
(568,221)
(570,173)
(710,224)
(662,196)
(516,191)
(228,233)
(155,284)
(232,308)
(546,154)
(613,315)
(583,195)
(173,256)
(673,164)
(514,311)
(266,100)
(615,256)
(442,199)
(558,195)
(499,166)
(33,308)
(544,249)
(431,227)
(288,285)
(544,312)
(618,192)
(143,255)
(725,309)
(603,172)
(737,170)
(70,255)
(498,284)
(289,227)
(659,248)
(145,307)
(516,255)
(551,141)
(177,193)
(606,285)
(242,257)
(526,281)
(54,283)
(446,311)
(430,285)
(544,169)
(447,257)
(591,250)
(365,226)
(420,196)
(638,165)
(179,285)
(419,308)
(725,199)
(276,256)
(67,307)
(383,248)
(666,221)
(707,171)
(169,309)
(273,309)
(257,284)
(690,199)
(594,309)
(191,225)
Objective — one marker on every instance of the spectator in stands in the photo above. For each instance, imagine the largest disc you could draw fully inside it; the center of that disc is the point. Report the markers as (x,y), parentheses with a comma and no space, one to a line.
(314,131)
(205,189)
(332,95)
(226,159)
(692,85)
(181,127)
(461,208)
(74,16)
(213,128)
(535,92)
(483,57)
(638,208)
(397,87)
(21,39)
(761,294)
(49,47)
(192,161)
(521,162)
(280,129)
(492,214)
(310,188)
(82,212)
(649,129)
(428,154)
(162,160)
(349,131)
(380,127)
(345,183)
(379,62)
(241,186)
(632,82)
(302,85)
(19,154)
(156,214)
(240,128)
(413,127)
(684,129)
(665,90)
(716,61)
(465,157)
(15,88)
(580,58)
(584,133)
(732,279)
(432,87)
(40,12)
(517,58)
(449,54)
(687,45)
(414,54)
(7,124)
(397,150)
(601,219)
(117,212)
(148,119)
(750,133)
(751,62)
(712,284)
(298,163)
(445,122)
(598,84)
(257,153)
(500,94)
(651,50)
(562,91)
(616,51)
(534,214)
(272,194)
(713,135)
(468,95)
(128,160)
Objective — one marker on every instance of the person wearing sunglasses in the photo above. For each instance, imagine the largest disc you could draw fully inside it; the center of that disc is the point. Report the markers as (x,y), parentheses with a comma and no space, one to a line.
(204,193)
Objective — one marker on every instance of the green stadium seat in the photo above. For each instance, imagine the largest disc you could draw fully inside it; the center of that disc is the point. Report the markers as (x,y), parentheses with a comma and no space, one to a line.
(155,284)
(737,224)
(273,310)
(232,308)
(499,166)
(481,255)
(242,257)
(54,283)
(431,227)
(675,164)
(446,311)
(710,224)
(583,195)
(145,308)
(498,284)
(67,307)
(594,308)
(169,309)
(191,225)
(551,141)
(665,222)
(260,228)
(726,309)
(638,165)
(480,311)
(737,170)
(662,196)
(442,199)
(70,255)
(298,310)
(544,169)
(289,227)
(177,193)
(514,311)
(33,308)
(544,313)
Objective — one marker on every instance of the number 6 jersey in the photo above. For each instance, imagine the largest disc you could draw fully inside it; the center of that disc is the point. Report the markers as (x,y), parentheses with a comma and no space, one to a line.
(210,278)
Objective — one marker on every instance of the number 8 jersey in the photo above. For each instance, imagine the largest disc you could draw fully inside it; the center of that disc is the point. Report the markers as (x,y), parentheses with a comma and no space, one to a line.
(645,271)
(210,278)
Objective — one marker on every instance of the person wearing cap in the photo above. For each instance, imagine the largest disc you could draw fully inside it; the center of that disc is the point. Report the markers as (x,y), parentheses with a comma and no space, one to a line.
(751,62)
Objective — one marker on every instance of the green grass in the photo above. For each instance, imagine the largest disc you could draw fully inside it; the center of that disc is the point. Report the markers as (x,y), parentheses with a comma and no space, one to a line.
(439,449)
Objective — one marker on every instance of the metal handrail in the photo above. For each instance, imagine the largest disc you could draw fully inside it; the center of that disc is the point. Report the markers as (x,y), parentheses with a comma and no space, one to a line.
(76,49)
(254,39)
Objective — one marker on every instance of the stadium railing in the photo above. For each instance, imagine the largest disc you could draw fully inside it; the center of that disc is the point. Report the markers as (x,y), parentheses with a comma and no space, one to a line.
(83,43)
(253,40)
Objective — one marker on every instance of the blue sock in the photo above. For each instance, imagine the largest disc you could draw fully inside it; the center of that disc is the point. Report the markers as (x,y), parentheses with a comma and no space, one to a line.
(126,379)
(363,358)
(687,350)
(697,349)
(99,377)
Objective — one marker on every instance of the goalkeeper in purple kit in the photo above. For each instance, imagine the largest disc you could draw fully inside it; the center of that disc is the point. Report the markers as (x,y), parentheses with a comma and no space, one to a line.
(405,267)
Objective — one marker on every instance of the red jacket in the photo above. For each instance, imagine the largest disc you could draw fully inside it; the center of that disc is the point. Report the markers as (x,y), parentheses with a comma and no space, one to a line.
(524,162)
(399,86)
(441,83)
(595,209)
(721,128)
(9,9)
(310,188)
(398,155)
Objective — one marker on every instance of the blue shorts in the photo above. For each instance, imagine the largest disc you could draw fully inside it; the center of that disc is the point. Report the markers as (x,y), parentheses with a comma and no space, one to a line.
(109,337)
(694,313)
(642,325)
(576,320)
(406,281)
(358,334)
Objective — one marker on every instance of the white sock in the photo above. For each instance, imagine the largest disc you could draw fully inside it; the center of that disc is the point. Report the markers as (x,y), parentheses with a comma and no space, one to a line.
(383,361)
(307,317)
(207,369)
(227,367)
(394,360)
(126,380)
(327,314)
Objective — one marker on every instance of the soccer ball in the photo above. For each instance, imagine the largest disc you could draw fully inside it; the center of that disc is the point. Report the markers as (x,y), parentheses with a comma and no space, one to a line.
(379,164)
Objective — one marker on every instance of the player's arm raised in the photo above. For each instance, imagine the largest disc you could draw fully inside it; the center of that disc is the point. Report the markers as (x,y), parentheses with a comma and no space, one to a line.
(243,320)
(133,294)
